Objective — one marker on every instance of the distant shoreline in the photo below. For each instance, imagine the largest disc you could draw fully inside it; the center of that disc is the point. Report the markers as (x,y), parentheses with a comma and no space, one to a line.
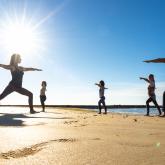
(83,106)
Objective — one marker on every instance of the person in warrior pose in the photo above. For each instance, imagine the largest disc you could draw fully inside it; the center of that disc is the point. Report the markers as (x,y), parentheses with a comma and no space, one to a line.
(101,95)
(151,93)
(159,60)
(15,84)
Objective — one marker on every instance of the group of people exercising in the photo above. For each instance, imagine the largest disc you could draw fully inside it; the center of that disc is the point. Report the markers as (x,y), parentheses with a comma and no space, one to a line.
(17,73)
(151,92)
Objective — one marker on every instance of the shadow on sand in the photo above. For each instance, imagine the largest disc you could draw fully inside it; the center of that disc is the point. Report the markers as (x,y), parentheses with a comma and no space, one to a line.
(8,119)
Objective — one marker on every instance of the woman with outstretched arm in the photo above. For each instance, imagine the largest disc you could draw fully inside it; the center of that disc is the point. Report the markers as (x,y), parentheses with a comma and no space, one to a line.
(101,85)
(151,93)
(15,84)
(159,60)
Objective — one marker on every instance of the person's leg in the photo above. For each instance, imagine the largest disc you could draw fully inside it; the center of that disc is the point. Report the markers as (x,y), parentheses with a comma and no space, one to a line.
(148,106)
(157,106)
(43,106)
(41,102)
(99,106)
(163,103)
(42,99)
(104,105)
(7,91)
(25,92)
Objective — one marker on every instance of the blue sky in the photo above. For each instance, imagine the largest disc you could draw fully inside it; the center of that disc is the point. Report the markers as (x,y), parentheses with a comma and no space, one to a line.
(84,41)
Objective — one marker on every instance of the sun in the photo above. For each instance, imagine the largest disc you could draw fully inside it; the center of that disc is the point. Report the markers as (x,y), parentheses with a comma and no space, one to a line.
(24,31)
(21,35)
(20,38)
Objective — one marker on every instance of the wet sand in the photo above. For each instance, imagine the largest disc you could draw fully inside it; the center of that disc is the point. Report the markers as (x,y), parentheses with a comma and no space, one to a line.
(74,137)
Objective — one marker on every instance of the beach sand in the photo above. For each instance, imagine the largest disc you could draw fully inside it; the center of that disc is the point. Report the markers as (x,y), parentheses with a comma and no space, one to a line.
(75,137)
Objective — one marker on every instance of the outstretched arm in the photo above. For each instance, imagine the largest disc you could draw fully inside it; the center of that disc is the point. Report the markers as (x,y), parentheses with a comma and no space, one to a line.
(30,69)
(8,67)
(100,85)
(145,79)
(97,84)
(158,60)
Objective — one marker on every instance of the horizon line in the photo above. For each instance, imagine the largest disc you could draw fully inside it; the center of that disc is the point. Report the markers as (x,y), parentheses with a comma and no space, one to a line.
(83,106)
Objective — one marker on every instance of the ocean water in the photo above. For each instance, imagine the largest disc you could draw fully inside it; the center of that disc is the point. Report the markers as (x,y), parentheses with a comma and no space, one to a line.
(133,111)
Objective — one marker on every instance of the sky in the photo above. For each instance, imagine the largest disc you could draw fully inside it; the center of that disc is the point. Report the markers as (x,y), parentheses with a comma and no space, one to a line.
(77,43)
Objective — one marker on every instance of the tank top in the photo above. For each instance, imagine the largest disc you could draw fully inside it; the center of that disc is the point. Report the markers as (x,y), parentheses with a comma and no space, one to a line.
(17,76)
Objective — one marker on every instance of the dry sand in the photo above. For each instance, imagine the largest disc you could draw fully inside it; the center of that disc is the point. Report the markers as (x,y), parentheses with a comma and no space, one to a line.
(69,137)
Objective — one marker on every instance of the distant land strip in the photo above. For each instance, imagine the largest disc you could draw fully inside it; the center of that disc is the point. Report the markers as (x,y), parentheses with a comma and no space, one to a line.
(83,106)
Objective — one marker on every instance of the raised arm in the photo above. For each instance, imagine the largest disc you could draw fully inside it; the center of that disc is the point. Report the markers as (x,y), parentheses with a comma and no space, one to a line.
(30,69)
(8,67)
(145,79)
(158,60)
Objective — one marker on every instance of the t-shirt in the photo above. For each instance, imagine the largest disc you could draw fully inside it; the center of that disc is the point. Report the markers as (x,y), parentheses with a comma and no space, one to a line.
(42,91)
(101,91)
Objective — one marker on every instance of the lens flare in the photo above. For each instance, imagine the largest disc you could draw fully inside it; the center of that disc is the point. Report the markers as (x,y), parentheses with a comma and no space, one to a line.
(20,38)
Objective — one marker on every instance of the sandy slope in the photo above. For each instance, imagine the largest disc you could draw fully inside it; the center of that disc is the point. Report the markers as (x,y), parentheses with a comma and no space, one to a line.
(70,137)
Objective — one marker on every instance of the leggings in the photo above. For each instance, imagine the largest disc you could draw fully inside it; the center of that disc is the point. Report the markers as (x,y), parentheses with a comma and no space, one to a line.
(42,99)
(102,101)
(11,88)
(156,104)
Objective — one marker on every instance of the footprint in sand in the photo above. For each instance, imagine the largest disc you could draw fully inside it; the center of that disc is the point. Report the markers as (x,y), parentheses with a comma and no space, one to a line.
(135,120)
(135,145)
(125,116)
(31,150)
(96,139)
(70,122)
(81,125)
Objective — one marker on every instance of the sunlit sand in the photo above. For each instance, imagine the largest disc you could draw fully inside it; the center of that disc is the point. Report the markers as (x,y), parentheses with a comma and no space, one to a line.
(67,136)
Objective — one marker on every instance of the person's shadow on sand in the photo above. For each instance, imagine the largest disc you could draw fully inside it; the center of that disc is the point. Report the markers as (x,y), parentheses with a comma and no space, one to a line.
(8,119)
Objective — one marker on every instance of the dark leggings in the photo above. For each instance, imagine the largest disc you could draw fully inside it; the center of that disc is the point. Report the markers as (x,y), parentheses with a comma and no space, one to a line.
(11,88)
(42,99)
(163,102)
(102,101)
(156,104)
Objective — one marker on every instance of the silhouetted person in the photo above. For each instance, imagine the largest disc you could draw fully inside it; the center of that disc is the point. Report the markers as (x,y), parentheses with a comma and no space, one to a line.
(151,93)
(42,95)
(15,84)
(102,97)
(159,60)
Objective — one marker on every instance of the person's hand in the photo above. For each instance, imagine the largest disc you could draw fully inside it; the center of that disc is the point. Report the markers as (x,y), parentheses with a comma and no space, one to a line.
(147,61)
(38,69)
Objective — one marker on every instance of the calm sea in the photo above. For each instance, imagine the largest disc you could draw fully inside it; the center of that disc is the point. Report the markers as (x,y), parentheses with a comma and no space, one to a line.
(134,111)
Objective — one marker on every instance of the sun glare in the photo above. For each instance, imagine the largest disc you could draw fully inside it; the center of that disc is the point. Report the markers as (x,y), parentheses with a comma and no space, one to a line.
(22,32)
(20,38)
